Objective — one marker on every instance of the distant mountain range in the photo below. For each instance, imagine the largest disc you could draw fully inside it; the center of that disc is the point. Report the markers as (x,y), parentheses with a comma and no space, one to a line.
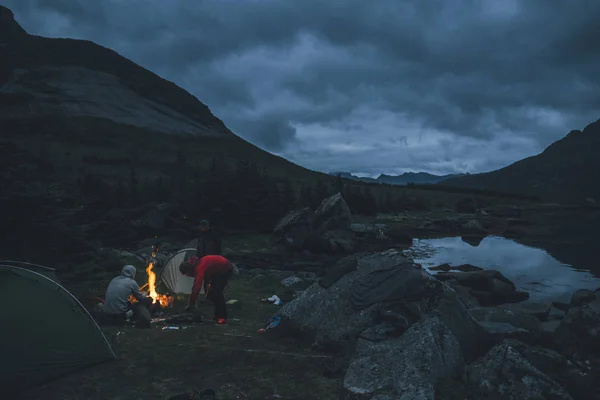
(567,171)
(418,178)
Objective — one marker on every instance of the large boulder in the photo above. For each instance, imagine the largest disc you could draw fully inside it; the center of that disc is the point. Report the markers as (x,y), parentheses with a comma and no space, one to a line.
(379,296)
(503,373)
(489,287)
(332,214)
(472,226)
(356,299)
(294,228)
(473,239)
(409,365)
(548,361)
(336,241)
(463,294)
(540,310)
(579,331)
(342,241)
(582,296)
(504,324)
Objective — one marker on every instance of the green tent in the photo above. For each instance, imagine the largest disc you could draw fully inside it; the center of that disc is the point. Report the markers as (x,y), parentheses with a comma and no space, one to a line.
(45,331)
(46,271)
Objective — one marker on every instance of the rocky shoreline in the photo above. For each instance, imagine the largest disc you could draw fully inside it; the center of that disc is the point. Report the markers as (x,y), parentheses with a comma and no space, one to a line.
(407,331)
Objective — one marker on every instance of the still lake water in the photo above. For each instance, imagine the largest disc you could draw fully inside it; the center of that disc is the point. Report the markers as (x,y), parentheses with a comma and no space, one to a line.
(532,270)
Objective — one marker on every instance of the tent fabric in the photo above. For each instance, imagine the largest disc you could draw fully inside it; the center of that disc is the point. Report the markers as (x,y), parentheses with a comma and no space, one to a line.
(40,269)
(46,332)
(173,278)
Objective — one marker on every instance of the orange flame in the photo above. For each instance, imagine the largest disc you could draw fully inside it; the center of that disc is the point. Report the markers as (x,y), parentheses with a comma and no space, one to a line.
(161,298)
(164,301)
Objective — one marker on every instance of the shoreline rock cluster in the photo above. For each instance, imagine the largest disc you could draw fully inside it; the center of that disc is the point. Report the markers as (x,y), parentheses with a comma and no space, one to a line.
(407,331)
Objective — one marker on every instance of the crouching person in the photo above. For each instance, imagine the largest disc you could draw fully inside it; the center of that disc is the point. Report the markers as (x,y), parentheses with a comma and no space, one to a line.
(215,271)
(116,301)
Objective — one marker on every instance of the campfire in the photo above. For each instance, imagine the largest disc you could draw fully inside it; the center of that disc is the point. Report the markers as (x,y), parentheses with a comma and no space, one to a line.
(158,299)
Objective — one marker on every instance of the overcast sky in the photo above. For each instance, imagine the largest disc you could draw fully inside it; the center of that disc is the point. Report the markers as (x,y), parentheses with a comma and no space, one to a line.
(382,86)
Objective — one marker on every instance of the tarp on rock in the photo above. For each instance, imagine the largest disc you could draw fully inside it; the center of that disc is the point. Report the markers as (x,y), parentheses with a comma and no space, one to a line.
(398,283)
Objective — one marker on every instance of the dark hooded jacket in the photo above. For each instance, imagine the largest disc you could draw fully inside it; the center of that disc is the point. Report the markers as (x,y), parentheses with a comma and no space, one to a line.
(209,243)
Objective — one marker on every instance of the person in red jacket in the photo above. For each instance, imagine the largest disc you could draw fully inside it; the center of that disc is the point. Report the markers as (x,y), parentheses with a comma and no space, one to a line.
(215,271)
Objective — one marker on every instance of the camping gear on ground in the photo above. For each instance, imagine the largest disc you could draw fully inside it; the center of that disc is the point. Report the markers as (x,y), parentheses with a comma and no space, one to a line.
(173,278)
(273,300)
(273,322)
(46,331)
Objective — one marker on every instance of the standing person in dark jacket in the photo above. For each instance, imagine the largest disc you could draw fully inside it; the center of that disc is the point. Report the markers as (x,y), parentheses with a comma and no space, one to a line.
(209,242)
(215,271)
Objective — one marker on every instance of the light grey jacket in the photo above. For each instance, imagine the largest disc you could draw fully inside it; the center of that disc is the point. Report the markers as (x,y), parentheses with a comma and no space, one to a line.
(118,292)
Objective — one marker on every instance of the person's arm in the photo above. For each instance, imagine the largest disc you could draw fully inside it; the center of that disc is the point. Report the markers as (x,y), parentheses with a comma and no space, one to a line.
(197,285)
(135,291)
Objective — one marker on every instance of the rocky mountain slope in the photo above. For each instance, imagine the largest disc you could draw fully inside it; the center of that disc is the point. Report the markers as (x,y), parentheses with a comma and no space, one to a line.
(567,171)
(78,101)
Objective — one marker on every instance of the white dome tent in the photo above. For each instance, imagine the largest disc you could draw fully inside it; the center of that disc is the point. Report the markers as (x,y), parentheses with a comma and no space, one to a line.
(173,279)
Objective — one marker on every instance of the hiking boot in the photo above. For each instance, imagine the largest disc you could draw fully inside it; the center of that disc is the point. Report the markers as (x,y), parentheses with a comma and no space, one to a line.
(221,322)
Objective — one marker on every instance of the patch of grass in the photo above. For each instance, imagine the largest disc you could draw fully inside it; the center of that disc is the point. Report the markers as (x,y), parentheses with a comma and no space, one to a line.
(236,361)
(246,243)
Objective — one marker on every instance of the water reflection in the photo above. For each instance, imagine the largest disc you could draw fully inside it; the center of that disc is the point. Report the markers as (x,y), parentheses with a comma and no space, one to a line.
(531,269)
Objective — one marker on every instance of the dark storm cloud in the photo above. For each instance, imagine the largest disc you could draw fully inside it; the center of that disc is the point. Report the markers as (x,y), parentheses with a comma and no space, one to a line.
(386,86)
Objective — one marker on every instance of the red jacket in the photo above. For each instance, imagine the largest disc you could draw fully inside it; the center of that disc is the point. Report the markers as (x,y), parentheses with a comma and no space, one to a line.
(206,268)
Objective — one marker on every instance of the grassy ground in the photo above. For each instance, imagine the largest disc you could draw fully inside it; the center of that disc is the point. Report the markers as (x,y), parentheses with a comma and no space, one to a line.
(236,361)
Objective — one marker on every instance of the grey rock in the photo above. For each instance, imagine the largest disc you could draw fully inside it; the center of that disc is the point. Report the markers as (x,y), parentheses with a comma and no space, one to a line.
(489,287)
(504,373)
(579,331)
(473,226)
(382,397)
(340,240)
(290,281)
(473,239)
(452,312)
(328,312)
(503,330)
(294,228)
(332,214)
(540,310)
(547,361)
(409,365)
(358,228)
(463,294)
(550,326)
(582,296)
(488,316)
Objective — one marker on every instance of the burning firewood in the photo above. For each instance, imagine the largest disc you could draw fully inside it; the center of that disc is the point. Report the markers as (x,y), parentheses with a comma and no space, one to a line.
(160,300)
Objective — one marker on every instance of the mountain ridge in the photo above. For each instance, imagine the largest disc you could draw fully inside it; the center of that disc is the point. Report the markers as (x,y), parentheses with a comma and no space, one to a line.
(566,171)
(406,178)
(76,100)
